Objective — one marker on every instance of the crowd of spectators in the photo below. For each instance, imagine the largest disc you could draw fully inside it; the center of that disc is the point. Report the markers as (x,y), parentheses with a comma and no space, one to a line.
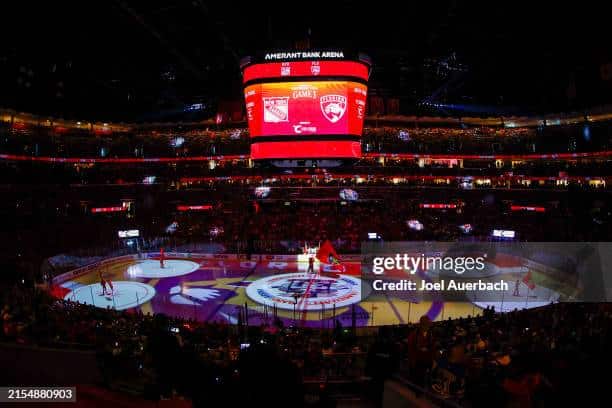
(539,357)
(210,145)
(186,141)
(180,142)
(487,140)
(538,174)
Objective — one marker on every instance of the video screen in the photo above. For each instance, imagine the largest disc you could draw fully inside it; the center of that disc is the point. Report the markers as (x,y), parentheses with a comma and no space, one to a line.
(305,108)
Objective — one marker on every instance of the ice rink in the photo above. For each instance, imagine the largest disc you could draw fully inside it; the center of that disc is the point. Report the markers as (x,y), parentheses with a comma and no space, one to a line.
(217,289)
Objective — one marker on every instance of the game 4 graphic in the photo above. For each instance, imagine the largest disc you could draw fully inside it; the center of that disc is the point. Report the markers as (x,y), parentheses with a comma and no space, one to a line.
(276,109)
(333,107)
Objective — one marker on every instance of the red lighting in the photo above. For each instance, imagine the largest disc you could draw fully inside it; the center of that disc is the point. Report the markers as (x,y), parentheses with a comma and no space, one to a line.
(102,131)
(206,207)
(306,149)
(96,210)
(437,206)
(551,156)
(221,158)
(527,208)
(306,69)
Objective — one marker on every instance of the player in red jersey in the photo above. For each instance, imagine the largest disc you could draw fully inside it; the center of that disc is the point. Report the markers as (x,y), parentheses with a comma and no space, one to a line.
(102,283)
(161,258)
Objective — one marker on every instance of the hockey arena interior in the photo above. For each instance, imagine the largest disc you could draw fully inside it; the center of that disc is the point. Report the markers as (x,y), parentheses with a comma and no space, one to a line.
(211,207)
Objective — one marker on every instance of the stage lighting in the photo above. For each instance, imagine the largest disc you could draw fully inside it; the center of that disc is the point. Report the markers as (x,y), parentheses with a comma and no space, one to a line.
(466,228)
(177,142)
(262,192)
(415,225)
(508,234)
(586,133)
(404,135)
(348,194)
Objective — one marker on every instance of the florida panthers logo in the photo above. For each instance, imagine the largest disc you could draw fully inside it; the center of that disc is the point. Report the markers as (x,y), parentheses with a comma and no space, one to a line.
(333,107)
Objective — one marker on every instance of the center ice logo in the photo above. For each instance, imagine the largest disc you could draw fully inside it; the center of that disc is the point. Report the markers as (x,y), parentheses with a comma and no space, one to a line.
(333,107)
(305,291)
(276,109)
(313,288)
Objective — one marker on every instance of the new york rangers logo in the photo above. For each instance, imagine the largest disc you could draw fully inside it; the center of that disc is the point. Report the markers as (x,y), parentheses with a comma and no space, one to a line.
(276,109)
(333,107)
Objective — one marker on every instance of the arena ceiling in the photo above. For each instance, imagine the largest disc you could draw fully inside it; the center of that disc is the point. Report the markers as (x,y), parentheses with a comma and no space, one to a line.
(160,59)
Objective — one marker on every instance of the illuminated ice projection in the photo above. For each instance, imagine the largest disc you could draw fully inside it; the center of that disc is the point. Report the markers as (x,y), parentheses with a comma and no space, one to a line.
(305,291)
(152,269)
(124,295)
(185,295)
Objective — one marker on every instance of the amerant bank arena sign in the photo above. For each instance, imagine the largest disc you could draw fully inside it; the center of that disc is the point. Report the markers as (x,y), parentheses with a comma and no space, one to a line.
(303,55)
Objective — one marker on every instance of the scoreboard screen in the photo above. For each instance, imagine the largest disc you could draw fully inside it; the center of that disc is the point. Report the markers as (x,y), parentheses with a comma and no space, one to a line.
(305,109)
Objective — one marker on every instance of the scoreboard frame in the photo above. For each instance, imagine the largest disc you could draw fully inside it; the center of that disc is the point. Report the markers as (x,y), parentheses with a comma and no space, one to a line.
(303,67)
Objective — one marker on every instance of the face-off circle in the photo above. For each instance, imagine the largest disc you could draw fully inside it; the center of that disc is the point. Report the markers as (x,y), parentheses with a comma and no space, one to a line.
(151,268)
(124,295)
(305,291)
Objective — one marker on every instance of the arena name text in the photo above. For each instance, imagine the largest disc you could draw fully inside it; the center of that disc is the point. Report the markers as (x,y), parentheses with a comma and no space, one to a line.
(303,55)
(405,285)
